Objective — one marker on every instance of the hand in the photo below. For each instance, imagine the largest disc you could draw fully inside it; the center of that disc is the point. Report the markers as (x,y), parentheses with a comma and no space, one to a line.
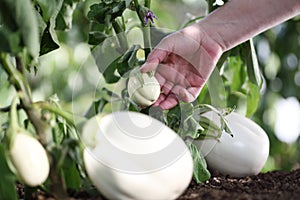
(183,62)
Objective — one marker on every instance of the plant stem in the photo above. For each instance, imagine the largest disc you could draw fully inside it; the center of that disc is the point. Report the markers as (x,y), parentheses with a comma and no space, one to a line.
(22,86)
(210,6)
(145,28)
(42,129)
(16,78)
(20,65)
(67,116)
(137,9)
(120,35)
(57,186)
(147,41)
(148,3)
(13,123)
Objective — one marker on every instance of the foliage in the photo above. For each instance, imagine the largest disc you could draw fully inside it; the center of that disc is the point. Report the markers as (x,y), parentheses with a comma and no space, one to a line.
(31,29)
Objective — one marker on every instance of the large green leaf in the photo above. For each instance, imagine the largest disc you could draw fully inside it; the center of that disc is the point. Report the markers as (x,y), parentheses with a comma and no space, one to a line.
(7,180)
(71,174)
(20,16)
(201,173)
(107,11)
(216,89)
(249,57)
(238,73)
(28,25)
(10,41)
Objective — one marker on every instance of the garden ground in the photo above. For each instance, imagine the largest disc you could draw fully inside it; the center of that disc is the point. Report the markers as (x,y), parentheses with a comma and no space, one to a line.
(276,185)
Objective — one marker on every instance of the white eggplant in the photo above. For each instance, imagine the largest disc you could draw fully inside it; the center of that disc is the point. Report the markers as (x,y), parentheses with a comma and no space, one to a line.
(130,155)
(144,91)
(241,155)
(29,159)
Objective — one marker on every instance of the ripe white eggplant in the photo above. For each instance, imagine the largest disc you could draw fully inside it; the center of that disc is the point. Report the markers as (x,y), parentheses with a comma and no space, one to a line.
(131,155)
(143,89)
(241,155)
(29,159)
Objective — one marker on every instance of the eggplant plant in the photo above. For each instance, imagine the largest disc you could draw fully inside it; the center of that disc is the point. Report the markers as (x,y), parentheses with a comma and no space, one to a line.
(48,149)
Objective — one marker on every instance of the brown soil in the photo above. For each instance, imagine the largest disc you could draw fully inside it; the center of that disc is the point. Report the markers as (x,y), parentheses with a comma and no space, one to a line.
(272,185)
(276,185)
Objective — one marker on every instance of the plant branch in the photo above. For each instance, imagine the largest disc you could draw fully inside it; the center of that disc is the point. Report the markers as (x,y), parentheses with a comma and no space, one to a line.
(65,115)
(17,79)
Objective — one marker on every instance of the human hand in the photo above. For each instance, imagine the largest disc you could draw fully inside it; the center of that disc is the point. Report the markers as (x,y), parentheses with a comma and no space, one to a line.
(183,62)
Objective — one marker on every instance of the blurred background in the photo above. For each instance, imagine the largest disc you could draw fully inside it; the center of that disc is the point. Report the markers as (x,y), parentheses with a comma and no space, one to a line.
(278,51)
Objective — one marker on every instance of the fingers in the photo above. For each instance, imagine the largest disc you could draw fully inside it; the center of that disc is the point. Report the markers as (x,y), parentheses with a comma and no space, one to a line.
(154,58)
(190,94)
(171,96)
(166,102)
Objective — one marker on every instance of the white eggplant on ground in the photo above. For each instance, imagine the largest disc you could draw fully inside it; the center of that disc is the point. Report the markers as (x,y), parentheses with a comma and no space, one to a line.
(241,155)
(131,155)
(143,89)
(30,160)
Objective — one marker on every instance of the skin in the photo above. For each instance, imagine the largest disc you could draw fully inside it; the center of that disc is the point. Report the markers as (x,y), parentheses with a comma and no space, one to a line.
(185,59)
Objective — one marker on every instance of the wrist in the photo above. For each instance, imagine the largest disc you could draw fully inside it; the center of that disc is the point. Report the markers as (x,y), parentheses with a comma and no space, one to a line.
(240,20)
(211,45)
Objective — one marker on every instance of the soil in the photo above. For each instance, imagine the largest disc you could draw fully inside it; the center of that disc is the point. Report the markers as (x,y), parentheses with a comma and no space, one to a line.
(276,185)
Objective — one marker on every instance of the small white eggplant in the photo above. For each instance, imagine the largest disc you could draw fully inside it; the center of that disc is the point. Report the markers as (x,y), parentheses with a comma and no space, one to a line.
(241,155)
(143,90)
(131,155)
(29,159)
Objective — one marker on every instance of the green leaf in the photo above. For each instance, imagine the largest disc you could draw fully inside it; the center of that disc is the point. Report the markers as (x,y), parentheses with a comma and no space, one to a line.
(201,173)
(20,16)
(7,15)
(48,8)
(253,98)
(47,43)
(96,38)
(122,65)
(250,58)
(7,180)
(191,128)
(98,12)
(10,41)
(96,107)
(50,11)
(106,12)
(157,113)
(71,174)
(216,89)
(27,21)
(208,124)
(225,126)
(127,3)
(65,16)
(58,132)
(41,24)
(110,72)
(186,109)
(236,73)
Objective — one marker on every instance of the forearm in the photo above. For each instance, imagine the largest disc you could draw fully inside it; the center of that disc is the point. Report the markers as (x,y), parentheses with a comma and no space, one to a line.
(239,20)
